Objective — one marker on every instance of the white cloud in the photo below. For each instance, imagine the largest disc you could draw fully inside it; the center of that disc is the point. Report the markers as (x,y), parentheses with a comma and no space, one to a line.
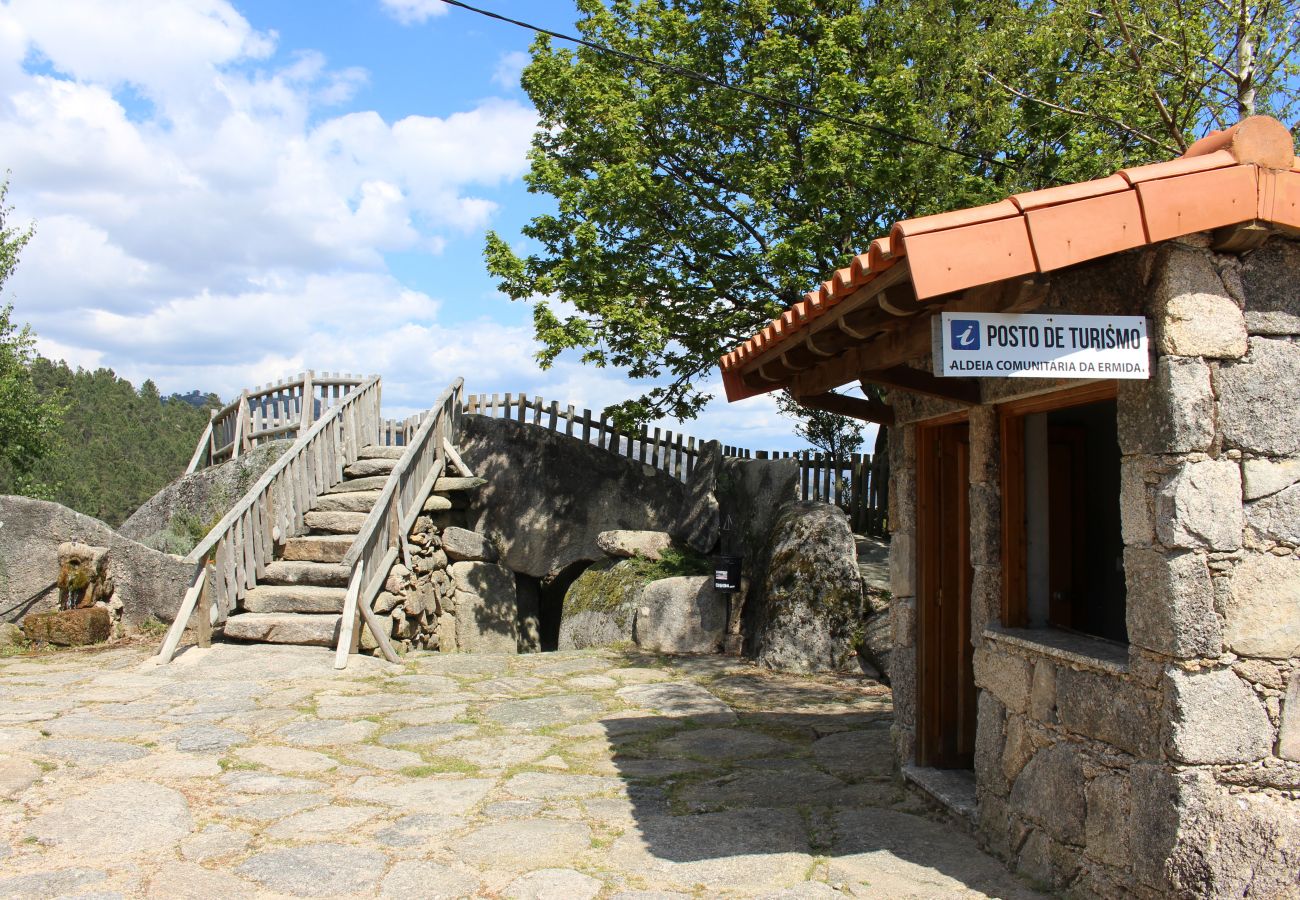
(196,203)
(509,67)
(413,12)
(207,218)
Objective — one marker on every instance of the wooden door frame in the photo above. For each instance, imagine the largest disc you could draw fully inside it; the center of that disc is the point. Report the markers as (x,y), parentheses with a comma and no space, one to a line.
(935,726)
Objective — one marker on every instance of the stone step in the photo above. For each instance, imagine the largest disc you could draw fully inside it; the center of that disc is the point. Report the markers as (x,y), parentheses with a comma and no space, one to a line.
(356,501)
(294,598)
(323,548)
(334,522)
(364,468)
(325,574)
(284,628)
(442,485)
(374,451)
(352,485)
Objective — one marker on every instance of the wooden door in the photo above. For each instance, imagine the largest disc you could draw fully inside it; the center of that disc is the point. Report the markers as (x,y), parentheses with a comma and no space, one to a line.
(945,676)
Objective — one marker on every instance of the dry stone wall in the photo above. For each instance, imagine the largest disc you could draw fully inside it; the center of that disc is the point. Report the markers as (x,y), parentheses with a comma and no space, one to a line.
(1172,766)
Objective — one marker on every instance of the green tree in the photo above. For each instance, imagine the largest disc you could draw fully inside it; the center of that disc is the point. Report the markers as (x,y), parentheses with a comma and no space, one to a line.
(839,437)
(28,420)
(687,215)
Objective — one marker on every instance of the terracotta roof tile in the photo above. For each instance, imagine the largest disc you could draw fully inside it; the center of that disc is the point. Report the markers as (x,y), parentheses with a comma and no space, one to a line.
(1067,193)
(1173,207)
(1184,165)
(1244,173)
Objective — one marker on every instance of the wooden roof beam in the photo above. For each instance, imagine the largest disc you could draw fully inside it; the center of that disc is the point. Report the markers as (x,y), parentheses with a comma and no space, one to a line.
(904,378)
(854,407)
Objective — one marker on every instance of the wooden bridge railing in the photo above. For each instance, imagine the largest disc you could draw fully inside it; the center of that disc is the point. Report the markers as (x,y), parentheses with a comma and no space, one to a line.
(243,543)
(271,412)
(858,484)
(382,538)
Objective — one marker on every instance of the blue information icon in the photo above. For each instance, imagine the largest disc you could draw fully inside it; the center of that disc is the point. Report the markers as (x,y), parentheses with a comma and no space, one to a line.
(965,334)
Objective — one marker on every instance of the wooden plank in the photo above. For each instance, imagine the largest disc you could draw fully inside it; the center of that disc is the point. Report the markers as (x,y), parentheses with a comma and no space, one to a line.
(203,627)
(856,407)
(654,450)
(173,639)
(537,410)
(586,426)
(348,621)
(555,414)
(365,601)
(523,408)
(455,459)
(205,441)
(568,421)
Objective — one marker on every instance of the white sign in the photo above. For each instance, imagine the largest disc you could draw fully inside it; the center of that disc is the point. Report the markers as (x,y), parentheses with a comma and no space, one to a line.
(1002,345)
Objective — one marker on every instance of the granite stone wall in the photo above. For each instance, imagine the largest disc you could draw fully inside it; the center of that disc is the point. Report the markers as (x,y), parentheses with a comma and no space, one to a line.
(1171,766)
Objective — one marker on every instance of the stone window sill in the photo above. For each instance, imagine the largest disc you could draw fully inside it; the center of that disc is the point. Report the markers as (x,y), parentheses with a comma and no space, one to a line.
(1078,649)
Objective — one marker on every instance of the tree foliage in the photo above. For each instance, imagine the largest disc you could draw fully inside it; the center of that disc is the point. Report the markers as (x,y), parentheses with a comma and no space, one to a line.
(837,436)
(686,215)
(27,419)
(116,446)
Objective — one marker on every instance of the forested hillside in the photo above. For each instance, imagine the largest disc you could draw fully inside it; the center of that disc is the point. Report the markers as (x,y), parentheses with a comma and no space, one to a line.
(116,446)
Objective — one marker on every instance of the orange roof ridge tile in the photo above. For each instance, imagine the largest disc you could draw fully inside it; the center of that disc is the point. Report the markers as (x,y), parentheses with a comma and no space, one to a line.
(1066,193)
(1183,165)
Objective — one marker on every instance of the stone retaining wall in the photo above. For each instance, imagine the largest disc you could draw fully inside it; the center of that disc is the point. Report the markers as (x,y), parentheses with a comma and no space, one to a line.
(1171,766)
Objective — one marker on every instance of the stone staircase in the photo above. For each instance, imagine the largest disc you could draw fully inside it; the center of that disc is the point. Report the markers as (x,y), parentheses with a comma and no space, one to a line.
(300,598)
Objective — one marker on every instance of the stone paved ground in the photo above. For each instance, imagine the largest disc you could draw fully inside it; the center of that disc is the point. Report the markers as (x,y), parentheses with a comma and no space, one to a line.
(257,771)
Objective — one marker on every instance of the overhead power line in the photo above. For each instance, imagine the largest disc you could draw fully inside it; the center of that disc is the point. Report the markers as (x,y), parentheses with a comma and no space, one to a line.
(973,155)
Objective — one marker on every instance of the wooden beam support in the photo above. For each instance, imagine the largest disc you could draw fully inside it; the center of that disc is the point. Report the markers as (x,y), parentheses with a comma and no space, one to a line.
(1242,237)
(904,378)
(891,349)
(855,407)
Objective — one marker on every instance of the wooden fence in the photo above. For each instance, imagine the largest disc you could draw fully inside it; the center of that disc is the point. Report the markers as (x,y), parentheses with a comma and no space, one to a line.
(283,411)
(858,485)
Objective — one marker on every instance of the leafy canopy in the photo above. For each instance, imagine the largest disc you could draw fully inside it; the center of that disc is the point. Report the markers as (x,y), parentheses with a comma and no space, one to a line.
(27,419)
(687,215)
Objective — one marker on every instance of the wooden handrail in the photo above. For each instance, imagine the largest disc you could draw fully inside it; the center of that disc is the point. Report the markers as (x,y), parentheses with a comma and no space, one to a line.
(382,537)
(243,543)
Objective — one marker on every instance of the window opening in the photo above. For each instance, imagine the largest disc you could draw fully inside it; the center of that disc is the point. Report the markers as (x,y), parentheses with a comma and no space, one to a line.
(1063,550)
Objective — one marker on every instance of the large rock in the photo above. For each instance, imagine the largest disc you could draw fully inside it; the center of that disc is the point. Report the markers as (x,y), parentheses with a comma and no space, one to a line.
(1262,613)
(1198,505)
(1258,397)
(699,525)
(681,615)
(463,544)
(752,494)
(549,496)
(1231,845)
(1215,717)
(487,624)
(147,582)
(600,606)
(812,609)
(176,518)
(1049,792)
(69,628)
(626,544)
(1272,290)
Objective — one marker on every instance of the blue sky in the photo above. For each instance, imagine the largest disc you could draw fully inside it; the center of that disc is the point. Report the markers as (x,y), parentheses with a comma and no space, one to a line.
(226,193)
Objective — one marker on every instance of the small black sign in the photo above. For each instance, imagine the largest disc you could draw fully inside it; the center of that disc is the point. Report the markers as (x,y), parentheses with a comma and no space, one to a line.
(726,573)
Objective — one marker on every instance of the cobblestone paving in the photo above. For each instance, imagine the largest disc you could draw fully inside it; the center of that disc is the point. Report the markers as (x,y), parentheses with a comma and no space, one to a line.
(258,771)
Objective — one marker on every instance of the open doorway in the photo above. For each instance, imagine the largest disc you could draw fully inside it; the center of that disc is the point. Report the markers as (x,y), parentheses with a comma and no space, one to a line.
(946,695)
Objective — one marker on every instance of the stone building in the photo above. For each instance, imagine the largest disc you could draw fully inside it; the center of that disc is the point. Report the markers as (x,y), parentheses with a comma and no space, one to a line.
(1096,617)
